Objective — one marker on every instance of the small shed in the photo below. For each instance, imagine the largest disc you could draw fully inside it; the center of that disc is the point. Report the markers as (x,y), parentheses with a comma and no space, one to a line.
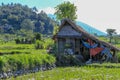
(72,38)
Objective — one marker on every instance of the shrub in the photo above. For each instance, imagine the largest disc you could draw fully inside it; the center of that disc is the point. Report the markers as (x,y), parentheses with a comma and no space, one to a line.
(48,43)
(39,44)
(38,36)
(17,41)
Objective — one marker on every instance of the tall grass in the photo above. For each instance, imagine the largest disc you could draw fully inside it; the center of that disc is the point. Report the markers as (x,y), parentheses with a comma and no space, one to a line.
(105,71)
(24,61)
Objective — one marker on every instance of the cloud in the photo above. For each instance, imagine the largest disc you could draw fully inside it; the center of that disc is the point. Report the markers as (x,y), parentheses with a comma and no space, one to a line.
(101,14)
(51,10)
(48,10)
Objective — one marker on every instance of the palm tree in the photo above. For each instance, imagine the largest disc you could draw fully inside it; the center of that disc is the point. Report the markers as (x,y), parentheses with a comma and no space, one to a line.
(110,33)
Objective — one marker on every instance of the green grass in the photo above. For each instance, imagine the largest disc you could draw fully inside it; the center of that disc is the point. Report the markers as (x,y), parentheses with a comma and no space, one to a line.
(117,45)
(22,56)
(107,40)
(103,38)
(105,71)
(12,48)
(24,61)
(9,48)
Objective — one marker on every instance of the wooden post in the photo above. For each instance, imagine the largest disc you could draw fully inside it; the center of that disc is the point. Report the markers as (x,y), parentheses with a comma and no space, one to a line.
(90,49)
(73,45)
(57,44)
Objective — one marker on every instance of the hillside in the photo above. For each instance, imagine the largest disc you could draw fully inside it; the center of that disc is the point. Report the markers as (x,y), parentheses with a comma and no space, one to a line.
(90,29)
(19,19)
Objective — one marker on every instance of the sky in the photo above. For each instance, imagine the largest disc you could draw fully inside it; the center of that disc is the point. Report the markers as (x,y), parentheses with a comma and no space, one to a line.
(101,14)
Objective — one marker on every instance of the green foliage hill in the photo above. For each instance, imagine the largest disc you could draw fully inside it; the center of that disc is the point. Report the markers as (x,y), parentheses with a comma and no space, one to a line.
(17,17)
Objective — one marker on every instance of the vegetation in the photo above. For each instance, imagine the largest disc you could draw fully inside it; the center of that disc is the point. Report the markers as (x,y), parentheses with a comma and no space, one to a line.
(25,47)
(110,32)
(68,60)
(19,59)
(115,40)
(66,10)
(17,18)
(24,61)
(106,71)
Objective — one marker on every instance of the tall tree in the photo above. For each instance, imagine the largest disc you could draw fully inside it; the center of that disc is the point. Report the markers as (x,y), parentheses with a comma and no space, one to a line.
(27,25)
(110,33)
(66,10)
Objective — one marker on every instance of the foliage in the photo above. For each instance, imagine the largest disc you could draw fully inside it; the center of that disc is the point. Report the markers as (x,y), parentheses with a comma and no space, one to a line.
(44,44)
(38,36)
(24,41)
(118,45)
(13,48)
(27,25)
(48,43)
(39,44)
(16,17)
(105,71)
(118,56)
(110,32)
(24,61)
(66,10)
(68,60)
(115,40)
(56,28)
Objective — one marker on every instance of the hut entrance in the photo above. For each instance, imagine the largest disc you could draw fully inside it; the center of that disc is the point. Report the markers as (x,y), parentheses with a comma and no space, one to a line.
(81,50)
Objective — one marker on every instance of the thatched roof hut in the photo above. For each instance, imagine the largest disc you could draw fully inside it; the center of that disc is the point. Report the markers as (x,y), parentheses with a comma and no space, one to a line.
(73,34)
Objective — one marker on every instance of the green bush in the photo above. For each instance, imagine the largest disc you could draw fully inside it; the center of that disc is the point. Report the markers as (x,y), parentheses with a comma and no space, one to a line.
(39,44)
(44,44)
(48,43)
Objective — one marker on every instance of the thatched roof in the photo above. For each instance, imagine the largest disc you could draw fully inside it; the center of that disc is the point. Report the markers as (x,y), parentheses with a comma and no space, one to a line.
(85,34)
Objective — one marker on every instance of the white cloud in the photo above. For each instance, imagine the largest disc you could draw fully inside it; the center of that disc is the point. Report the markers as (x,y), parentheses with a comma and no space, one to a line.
(48,10)
(102,14)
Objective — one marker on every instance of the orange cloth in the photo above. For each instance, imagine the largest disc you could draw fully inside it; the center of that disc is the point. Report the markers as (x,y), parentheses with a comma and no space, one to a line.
(94,51)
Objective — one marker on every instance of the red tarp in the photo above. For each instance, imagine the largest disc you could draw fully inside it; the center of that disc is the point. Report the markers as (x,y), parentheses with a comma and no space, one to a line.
(94,51)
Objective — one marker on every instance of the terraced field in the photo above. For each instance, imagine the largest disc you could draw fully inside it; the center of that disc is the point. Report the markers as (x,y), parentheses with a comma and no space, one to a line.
(27,57)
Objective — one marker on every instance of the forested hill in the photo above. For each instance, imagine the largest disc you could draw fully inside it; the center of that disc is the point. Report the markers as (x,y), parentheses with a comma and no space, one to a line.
(16,18)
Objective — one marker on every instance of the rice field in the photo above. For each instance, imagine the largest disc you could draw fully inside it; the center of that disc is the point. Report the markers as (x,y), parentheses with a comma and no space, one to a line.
(106,71)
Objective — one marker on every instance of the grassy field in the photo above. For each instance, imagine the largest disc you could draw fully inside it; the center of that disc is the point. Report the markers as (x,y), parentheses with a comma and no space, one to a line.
(118,45)
(113,41)
(106,71)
